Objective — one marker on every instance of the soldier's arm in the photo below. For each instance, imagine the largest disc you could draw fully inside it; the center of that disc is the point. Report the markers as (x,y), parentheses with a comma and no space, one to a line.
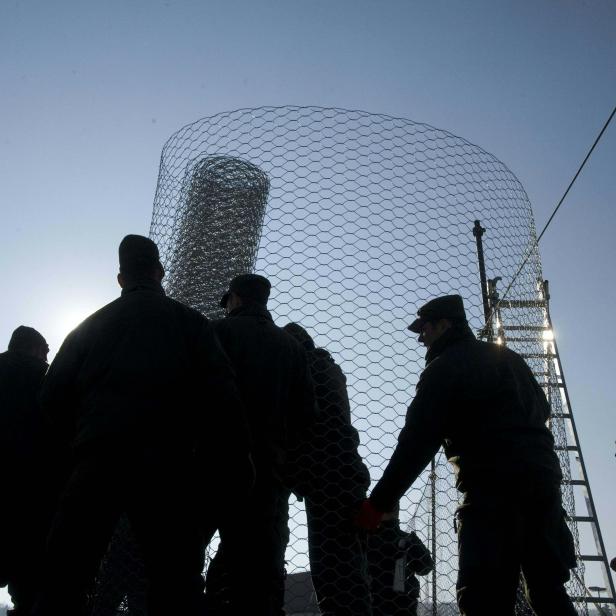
(304,404)
(525,376)
(544,406)
(330,388)
(419,440)
(229,416)
(58,395)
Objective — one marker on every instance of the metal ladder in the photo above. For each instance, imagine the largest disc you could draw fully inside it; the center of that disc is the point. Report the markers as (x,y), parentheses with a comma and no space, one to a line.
(551,377)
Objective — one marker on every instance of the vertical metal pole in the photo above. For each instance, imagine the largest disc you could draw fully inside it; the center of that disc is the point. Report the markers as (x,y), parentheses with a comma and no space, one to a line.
(433,495)
(478,232)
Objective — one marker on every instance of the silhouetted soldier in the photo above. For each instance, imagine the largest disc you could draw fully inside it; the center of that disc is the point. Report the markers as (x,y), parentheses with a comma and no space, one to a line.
(127,388)
(28,464)
(482,403)
(247,575)
(395,558)
(328,472)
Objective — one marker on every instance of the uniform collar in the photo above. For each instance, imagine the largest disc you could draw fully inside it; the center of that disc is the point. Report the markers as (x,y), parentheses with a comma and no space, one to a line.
(23,359)
(250,310)
(144,285)
(449,338)
(395,523)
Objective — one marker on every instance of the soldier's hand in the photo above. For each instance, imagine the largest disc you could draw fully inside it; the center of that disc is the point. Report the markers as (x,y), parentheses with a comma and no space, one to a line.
(368,518)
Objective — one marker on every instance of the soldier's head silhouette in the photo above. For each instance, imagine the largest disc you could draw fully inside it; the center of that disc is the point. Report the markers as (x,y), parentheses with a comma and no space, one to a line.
(301,335)
(246,289)
(28,341)
(437,316)
(139,261)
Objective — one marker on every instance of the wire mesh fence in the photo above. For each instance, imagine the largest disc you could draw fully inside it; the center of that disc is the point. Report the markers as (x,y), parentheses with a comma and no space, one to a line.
(356,219)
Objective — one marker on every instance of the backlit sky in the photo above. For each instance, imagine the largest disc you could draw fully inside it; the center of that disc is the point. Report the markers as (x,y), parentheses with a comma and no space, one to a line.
(90,91)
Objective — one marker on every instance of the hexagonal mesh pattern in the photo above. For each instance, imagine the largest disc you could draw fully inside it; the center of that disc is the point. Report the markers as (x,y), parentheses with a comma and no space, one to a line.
(359,218)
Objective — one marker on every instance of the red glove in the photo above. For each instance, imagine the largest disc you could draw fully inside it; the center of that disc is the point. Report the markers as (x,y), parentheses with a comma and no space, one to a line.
(368,518)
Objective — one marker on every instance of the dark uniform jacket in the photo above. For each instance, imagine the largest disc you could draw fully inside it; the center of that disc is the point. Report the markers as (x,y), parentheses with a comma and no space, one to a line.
(481,402)
(327,464)
(32,468)
(143,369)
(22,428)
(274,383)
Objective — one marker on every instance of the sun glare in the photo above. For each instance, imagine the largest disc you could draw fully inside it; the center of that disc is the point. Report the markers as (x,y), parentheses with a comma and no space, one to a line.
(66,320)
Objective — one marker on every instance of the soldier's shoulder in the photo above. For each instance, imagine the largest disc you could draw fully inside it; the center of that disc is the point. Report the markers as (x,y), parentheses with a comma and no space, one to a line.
(226,329)
(7,365)
(103,311)
(492,346)
(325,361)
(451,365)
(293,349)
(98,317)
(289,341)
(183,310)
(217,323)
(439,365)
(230,324)
(500,352)
(470,350)
(323,355)
(510,353)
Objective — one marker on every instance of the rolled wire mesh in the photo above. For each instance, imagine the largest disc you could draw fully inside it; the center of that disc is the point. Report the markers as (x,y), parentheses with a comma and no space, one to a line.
(361,219)
(217,194)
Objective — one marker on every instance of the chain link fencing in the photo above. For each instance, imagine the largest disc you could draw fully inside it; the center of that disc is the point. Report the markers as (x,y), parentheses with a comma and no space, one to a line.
(356,219)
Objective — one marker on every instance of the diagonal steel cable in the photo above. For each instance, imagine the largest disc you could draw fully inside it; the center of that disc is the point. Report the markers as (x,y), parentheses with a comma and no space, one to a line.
(547,224)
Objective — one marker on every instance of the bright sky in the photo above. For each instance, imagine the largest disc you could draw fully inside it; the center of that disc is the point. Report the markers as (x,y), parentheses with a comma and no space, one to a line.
(89,92)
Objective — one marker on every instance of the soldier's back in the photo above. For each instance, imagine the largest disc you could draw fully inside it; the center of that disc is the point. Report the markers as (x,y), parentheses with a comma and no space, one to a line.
(273,379)
(21,425)
(498,426)
(137,358)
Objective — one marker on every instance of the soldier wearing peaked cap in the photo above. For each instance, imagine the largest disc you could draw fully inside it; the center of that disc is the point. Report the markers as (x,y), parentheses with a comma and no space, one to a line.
(126,390)
(275,383)
(138,253)
(446,307)
(482,404)
(249,288)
